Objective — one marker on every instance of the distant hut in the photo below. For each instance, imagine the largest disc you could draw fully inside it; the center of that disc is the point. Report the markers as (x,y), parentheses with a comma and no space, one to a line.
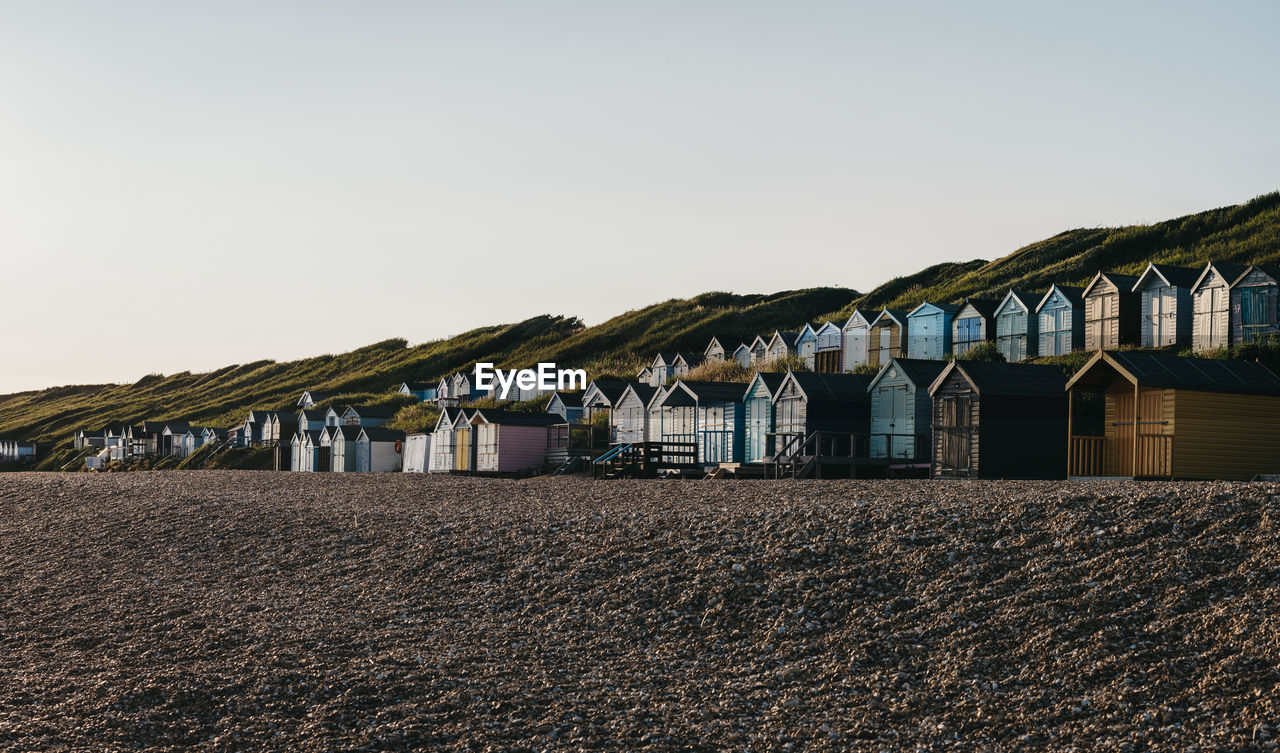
(999,420)
(311,420)
(807,345)
(332,417)
(828,356)
(342,448)
(759,351)
(1017,326)
(367,416)
(631,413)
(856,339)
(600,397)
(1253,305)
(929,330)
(1060,315)
(684,364)
(742,355)
(464,446)
(1211,303)
(417,452)
(566,405)
(781,345)
(715,352)
(887,337)
(707,414)
(510,441)
(423,391)
(901,409)
(758,416)
(1157,415)
(1164,305)
(661,367)
(645,376)
(379,450)
(974,324)
(1111,311)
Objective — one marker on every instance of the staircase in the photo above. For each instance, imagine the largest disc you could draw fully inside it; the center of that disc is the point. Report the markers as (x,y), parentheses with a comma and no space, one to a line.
(568,466)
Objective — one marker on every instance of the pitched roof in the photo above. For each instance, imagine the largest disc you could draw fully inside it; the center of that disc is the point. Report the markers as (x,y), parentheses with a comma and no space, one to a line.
(1267,269)
(788,338)
(1168,371)
(313,415)
(1073,294)
(1227,271)
(918,371)
(857,313)
(715,392)
(347,432)
(1025,297)
(897,315)
(818,386)
(772,381)
(1179,277)
(946,308)
(382,434)
(516,418)
(643,392)
(1125,283)
(983,306)
(371,411)
(610,387)
(1000,378)
(568,399)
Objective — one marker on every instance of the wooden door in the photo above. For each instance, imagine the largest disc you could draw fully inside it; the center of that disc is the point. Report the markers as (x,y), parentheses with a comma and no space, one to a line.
(1155,445)
(462,449)
(956,433)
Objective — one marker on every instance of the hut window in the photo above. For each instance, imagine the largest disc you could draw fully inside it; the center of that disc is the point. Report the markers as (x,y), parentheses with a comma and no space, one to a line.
(1254,313)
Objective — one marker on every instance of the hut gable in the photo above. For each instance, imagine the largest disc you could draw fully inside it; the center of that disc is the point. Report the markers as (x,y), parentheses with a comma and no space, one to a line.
(855,339)
(929,331)
(742,354)
(1060,317)
(807,403)
(1111,311)
(708,414)
(566,405)
(887,337)
(715,351)
(759,350)
(684,364)
(974,324)
(781,345)
(1253,304)
(901,409)
(1211,305)
(662,367)
(828,356)
(999,420)
(1164,304)
(630,417)
(1017,327)
(1157,415)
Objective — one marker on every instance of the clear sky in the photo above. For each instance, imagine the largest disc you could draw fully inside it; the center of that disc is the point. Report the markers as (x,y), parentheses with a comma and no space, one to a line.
(189,185)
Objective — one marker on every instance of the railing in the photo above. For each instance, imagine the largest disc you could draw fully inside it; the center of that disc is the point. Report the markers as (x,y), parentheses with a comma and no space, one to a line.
(800,453)
(909,448)
(716,445)
(1155,456)
(644,458)
(1087,455)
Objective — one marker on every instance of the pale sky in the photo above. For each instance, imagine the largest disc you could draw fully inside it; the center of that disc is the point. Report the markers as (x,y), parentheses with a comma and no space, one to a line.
(189,185)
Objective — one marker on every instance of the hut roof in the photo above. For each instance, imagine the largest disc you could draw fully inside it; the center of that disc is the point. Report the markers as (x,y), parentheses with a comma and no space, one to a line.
(1167,371)
(1000,378)
(818,386)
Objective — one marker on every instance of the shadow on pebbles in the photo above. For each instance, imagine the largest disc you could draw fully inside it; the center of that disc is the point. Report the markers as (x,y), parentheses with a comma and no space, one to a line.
(249,611)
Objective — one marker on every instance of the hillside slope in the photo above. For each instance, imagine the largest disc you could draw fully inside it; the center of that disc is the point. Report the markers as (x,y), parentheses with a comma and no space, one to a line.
(222,397)
(1246,233)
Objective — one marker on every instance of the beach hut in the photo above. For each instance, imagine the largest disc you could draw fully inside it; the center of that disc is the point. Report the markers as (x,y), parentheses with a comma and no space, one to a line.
(901,409)
(807,345)
(600,397)
(254,424)
(464,446)
(973,325)
(742,354)
(757,409)
(566,405)
(379,450)
(630,421)
(1060,318)
(929,330)
(212,436)
(759,351)
(1158,415)
(715,352)
(342,448)
(684,364)
(462,387)
(645,376)
(856,338)
(417,452)
(661,367)
(828,354)
(807,402)
(311,420)
(311,397)
(332,417)
(511,441)
(424,391)
(708,414)
(887,337)
(781,345)
(1164,305)
(296,461)
(442,444)
(367,416)
(1111,311)
(1253,305)
(1017,326)
(1211,305)
(173,437)
(999,420)
(314,450)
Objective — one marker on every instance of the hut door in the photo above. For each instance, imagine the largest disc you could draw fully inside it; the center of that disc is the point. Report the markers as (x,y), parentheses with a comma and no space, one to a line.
(1120,450)
(957,434)
(462,457)
(1155,448)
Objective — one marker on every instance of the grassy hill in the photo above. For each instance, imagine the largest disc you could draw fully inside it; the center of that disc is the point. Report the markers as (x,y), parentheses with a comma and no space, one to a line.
(1246,233)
